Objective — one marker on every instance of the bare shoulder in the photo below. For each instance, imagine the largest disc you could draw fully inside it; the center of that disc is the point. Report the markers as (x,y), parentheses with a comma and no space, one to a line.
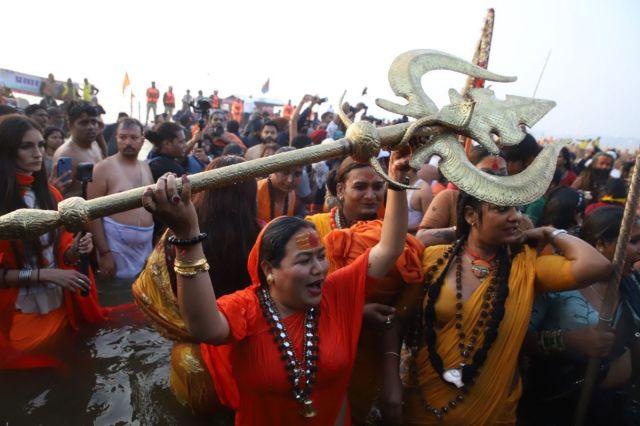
(146,171)
(64,150)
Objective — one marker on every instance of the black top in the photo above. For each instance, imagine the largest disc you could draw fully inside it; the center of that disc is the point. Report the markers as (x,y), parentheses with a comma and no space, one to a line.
(162,164)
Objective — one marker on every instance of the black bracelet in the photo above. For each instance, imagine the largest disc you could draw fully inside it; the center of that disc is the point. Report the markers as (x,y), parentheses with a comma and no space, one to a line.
(187,241)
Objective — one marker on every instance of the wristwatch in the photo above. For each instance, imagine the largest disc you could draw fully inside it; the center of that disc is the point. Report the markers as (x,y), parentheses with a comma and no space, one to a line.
(557,232)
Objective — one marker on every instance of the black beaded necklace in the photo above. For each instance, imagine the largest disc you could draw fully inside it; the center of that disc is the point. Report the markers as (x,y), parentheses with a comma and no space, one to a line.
(490,318)
(302,375)
(272,203)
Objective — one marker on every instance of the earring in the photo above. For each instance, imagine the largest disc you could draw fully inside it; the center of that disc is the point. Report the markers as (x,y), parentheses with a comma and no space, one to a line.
(270,279)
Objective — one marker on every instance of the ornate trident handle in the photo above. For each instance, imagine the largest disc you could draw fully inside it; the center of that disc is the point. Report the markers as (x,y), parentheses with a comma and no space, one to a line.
(363,141)
(478,115)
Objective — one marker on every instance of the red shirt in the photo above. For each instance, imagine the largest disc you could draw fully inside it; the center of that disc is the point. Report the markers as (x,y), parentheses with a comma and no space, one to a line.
(152,95)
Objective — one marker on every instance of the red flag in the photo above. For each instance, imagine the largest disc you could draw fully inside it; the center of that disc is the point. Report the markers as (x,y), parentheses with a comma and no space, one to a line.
(265,86)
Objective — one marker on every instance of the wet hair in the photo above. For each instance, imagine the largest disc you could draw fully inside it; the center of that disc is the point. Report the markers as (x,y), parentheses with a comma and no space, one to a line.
(230,214)
(602,225)
(466,200)
(31,109)
(128,123)
(122,115)
(12,130)
(524,151)
(48,131)
(563,203)
(274,241)
(76,109)
(165,132)
(301,141)
(233,149)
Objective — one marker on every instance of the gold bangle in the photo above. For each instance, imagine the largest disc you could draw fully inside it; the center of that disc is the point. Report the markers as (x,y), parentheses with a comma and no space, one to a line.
(194,264)
(190,269)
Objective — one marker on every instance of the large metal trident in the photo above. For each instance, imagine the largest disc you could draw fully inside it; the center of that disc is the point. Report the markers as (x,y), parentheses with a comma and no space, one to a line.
(479,115)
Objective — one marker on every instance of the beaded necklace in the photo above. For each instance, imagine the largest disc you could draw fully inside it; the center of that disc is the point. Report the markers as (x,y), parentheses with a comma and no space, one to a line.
(490,317)
(336,221)
(302,374)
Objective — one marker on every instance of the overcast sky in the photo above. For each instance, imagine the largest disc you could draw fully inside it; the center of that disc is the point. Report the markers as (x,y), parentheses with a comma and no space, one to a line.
(328,46)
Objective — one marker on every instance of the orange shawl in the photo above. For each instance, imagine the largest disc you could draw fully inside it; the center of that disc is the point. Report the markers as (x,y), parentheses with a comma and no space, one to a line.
(494,396)
(264,202)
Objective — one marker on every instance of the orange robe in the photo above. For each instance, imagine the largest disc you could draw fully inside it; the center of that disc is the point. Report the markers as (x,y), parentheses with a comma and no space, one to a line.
(21,333)
(494,396)
(342,248)
(264,203)
(265,391)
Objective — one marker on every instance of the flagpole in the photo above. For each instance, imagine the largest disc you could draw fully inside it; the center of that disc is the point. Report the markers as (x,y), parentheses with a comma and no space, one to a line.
(131,104)
(541,73)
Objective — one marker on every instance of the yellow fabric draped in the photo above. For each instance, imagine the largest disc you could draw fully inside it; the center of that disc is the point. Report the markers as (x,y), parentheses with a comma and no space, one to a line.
(189,379)
(322,221)
(494,397)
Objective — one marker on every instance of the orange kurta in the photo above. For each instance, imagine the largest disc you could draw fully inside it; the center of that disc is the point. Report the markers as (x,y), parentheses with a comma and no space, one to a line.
(264,203)
(494,396)
(342,248)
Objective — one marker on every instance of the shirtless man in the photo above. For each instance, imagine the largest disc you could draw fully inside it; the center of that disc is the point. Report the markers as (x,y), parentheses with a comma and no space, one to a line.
(123,240)
(84,124)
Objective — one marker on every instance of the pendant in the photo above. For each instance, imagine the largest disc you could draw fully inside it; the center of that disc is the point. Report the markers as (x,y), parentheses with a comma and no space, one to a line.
(453,376)
(307,409)
(480,268)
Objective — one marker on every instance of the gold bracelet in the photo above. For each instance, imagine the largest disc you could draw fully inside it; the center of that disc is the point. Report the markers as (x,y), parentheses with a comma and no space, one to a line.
(191,269)
(194,264)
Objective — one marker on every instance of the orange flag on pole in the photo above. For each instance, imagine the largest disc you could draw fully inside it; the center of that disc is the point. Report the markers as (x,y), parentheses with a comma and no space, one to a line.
(126,82)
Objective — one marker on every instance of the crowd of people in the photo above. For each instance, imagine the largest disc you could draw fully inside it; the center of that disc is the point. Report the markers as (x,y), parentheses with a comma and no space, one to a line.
(319,294)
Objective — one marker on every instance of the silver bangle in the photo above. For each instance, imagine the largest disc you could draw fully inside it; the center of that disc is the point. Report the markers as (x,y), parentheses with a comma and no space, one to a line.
(24,276)
(557,232)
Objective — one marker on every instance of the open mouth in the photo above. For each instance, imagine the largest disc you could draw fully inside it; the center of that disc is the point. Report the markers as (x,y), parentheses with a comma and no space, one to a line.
(315,288)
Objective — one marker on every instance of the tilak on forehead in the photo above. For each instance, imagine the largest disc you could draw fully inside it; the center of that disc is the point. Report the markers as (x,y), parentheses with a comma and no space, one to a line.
(495,164)
(307,241)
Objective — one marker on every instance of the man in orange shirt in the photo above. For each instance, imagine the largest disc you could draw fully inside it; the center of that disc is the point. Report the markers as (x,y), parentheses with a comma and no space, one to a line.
(287,110)
(152,100)
(169,101)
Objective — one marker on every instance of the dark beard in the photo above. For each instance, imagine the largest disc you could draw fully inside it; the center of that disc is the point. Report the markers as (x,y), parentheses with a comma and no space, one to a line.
(601,175)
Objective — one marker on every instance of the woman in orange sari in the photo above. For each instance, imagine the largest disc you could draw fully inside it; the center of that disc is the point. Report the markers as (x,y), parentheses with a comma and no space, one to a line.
(356,228)
(294,331)
(473,314)
(40,292)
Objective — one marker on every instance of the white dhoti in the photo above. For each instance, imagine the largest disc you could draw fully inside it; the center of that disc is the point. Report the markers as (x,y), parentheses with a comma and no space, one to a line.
(129,245)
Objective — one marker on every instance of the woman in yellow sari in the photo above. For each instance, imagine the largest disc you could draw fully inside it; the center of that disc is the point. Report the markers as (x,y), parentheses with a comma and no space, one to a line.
(466,332)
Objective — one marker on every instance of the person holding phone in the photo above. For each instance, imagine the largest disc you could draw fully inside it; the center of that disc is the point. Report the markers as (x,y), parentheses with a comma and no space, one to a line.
(40,291)
(84,124)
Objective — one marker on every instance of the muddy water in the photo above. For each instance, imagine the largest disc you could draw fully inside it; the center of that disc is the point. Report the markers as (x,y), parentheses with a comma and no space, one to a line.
(117,375)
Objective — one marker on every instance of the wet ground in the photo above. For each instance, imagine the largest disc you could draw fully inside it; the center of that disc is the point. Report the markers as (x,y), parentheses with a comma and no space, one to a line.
(117,375)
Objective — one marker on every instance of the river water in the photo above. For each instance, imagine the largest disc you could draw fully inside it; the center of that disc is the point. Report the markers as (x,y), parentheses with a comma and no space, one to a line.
(116,375)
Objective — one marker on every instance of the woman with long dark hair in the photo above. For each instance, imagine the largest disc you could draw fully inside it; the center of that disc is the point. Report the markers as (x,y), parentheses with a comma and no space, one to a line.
(40,292)
(566,336)
(466,332)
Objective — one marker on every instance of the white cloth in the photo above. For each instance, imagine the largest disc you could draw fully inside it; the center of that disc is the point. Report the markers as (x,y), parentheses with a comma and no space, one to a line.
(129,245)
(249,106)
(43,297)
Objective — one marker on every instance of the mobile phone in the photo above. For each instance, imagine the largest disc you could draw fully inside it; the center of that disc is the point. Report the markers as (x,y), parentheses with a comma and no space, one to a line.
(84,172)
(64,166)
